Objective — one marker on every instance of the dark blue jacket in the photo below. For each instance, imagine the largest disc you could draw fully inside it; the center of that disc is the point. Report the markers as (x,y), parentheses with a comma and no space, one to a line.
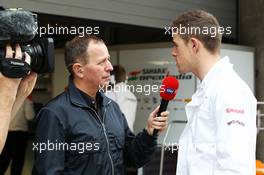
(73,139)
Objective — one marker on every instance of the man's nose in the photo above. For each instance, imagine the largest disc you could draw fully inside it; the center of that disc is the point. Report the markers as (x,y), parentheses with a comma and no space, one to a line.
(109,66)
(173,52)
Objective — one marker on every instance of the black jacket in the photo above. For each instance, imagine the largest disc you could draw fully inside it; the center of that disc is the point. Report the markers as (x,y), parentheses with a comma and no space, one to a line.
(73,139)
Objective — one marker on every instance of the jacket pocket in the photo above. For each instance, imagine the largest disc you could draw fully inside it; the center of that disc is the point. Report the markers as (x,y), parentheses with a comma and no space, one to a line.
(82,153)
(117,150)
(118,154)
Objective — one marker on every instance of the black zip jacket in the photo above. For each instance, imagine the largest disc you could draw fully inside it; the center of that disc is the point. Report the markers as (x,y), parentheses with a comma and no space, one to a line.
(72,138)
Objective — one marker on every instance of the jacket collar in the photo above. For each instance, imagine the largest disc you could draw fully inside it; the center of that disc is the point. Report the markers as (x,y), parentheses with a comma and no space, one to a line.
(209,78)
(77,99)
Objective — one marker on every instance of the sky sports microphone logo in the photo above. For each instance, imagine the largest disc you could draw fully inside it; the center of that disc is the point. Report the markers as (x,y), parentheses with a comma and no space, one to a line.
(169,90)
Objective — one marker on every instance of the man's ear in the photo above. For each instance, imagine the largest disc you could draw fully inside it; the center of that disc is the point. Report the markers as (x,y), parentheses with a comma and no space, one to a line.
(77,68)
(195,45)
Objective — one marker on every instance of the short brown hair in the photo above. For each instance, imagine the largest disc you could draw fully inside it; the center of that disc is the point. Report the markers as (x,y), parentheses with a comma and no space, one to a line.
(199,19)
(120,73)
(76,50)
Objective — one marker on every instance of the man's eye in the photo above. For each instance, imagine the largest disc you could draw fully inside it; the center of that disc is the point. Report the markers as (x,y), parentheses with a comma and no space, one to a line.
(102,62)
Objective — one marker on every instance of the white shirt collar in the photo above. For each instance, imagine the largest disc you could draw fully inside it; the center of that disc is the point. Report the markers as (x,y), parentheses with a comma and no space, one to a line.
(219,65)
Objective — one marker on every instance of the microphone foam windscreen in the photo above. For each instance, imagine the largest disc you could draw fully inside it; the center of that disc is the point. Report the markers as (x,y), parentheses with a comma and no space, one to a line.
(17,23)
(169,88)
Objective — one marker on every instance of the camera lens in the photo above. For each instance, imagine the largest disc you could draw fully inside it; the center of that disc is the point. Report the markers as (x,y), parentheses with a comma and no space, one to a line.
(41,52)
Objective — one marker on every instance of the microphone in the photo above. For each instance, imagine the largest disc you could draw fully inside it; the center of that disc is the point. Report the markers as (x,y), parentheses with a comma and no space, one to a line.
(17,26)
(168,91)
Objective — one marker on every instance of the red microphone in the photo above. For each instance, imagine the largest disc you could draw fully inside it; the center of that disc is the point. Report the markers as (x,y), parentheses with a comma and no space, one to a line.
(168,91)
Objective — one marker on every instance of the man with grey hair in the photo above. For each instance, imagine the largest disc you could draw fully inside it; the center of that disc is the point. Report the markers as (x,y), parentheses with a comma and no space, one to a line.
(94,133)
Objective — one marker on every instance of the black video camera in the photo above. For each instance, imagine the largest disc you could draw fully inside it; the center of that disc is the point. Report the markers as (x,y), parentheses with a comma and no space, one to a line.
(19,26)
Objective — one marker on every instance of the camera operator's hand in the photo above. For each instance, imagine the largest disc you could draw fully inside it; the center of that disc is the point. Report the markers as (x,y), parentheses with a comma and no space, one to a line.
(26,85)
(15,87)
(9,85)
(13,92)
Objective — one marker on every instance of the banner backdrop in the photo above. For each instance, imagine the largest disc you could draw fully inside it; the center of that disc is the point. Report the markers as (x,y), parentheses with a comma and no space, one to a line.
(147,67)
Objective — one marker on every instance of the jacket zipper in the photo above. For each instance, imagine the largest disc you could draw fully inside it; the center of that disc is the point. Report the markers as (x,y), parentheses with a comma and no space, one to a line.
(113,168)
(106,137)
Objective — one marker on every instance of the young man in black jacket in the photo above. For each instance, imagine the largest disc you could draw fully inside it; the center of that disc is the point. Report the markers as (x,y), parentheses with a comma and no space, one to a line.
(82,131)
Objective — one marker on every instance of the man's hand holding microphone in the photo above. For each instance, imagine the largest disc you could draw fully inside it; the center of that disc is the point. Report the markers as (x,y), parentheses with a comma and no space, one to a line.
(158,119)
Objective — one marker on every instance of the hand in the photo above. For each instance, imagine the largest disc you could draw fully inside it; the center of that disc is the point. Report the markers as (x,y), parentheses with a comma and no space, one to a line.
(10,85)
(18,87)
(157,122)
(26,85)
(15,90)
